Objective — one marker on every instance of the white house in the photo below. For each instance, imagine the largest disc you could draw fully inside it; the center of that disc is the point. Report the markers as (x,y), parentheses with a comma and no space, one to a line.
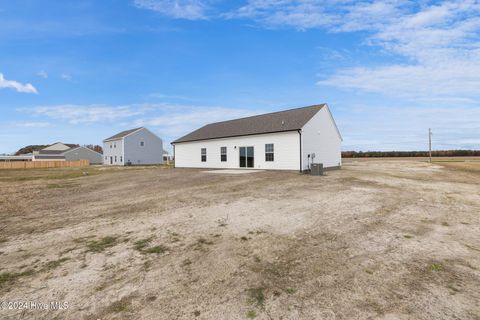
(137,146)
(285,140)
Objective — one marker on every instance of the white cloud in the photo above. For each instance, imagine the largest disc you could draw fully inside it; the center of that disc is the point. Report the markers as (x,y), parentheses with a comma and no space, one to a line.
(176,120)
(172,120)
(43,74)
(406,127)
(178,9)
(306,14)
(77,114)
(33,124)
(440,42)
(66,76)
(19,87)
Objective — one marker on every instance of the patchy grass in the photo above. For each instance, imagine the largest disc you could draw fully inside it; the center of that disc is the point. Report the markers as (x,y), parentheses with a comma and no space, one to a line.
(102,244)
(407,236)
(60,185)
(147,265)
(101,287)
(204,241)
(290,290)
(120,305)
(256,296)
(156,249)
(186,262)
(8,278)
(68,250)
(199,244)
(436,267)
(251,314)
(142,244)
(82,239)
(54,263)
(56,174)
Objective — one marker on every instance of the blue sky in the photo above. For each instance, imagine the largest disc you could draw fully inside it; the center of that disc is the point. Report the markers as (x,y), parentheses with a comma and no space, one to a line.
(80,71)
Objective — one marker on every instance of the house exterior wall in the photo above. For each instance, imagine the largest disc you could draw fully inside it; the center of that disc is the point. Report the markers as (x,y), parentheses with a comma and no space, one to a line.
(83,153)
(112,149)
(150,153)
(320,136)
(286,151)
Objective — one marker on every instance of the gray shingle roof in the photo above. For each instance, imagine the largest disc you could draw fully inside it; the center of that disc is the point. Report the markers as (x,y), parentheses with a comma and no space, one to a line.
(122,134)
(53,151)
(288,120)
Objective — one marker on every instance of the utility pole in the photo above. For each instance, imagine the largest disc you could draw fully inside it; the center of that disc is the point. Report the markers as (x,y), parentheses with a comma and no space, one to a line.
(430,144)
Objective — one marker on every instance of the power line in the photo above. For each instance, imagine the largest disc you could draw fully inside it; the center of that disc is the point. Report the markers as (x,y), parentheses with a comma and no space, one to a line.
(430,144)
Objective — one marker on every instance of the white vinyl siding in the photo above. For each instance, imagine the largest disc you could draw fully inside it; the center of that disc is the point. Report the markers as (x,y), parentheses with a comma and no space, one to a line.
(142,147)
(287,151)
(320,137)
(83,153)
(110,151)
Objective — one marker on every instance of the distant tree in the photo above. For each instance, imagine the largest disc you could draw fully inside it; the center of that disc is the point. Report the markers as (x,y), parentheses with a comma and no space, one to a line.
(393,154)
(95,148)
(30,149)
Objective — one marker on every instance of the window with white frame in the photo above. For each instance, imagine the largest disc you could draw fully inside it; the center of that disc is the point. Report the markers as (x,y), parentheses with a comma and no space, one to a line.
(223,154)
(269,152)
(115,158)
(142,143)
(204,154)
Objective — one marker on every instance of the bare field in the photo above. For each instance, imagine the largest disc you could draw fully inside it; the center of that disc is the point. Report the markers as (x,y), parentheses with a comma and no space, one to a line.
(375,240)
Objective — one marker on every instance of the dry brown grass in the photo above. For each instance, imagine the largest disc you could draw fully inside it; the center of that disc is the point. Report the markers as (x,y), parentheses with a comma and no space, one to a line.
(377,239)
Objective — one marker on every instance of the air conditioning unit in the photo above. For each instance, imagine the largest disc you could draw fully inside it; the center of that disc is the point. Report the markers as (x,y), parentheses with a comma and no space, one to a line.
(316,169)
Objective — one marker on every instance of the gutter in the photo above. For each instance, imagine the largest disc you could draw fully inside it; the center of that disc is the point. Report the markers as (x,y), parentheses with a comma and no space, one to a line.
(234,136)
(300,135)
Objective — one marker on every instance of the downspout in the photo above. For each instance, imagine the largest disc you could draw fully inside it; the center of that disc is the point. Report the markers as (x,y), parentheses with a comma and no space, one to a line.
(300,135)
(173,155)
(123,151)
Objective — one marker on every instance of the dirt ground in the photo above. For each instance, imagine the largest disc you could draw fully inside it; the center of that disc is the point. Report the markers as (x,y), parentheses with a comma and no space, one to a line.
(375,240)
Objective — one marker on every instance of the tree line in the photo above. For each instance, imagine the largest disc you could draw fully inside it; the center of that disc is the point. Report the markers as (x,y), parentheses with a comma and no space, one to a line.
(393,154)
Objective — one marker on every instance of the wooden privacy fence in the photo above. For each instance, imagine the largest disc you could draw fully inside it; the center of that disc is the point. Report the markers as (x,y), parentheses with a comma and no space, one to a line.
(43,164)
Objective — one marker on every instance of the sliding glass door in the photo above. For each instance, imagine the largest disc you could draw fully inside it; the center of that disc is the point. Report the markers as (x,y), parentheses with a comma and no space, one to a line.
(246,157)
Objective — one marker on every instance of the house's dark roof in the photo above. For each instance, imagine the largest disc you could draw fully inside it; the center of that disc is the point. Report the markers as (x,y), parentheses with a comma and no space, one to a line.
(288,120)
(122,134)
(62,152)
(53,151)
(45,156)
